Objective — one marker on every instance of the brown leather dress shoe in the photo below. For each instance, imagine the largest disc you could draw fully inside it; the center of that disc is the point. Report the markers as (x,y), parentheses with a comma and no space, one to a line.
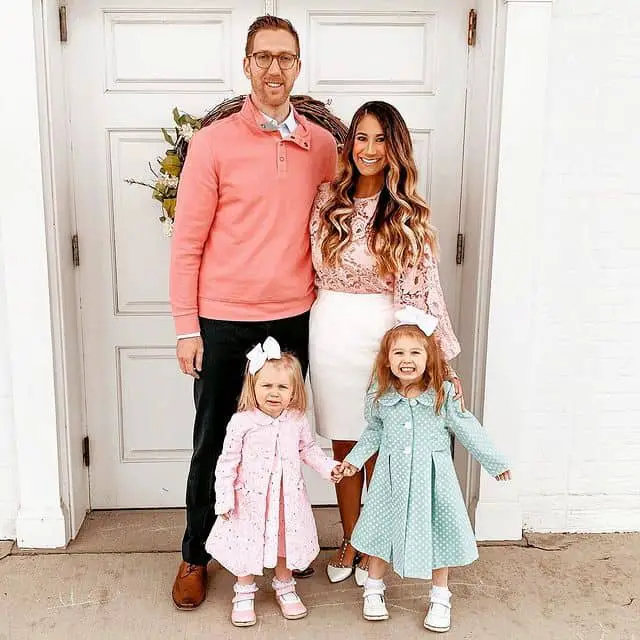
(190,586)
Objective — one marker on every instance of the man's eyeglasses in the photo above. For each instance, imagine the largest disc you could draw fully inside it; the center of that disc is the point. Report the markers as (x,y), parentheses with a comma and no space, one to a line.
(264,59)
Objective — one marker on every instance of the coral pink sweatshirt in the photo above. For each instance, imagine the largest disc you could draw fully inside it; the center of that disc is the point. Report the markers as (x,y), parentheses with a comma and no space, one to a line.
(241,247)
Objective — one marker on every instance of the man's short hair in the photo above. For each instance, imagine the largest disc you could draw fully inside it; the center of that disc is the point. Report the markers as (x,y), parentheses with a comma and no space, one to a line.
(273,23)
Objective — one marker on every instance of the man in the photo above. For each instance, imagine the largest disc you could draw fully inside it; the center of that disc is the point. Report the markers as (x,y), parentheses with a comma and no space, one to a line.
(240,261)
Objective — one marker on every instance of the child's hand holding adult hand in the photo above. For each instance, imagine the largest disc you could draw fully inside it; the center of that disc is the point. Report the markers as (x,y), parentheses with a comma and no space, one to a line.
(505,475)
(336,474)
(348,469)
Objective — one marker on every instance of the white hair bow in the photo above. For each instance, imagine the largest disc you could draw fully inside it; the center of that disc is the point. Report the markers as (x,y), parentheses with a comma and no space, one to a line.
(411,315)
(268,350)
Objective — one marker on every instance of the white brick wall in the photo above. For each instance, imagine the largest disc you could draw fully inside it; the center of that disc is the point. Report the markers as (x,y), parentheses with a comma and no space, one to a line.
(581,446)
(8,489)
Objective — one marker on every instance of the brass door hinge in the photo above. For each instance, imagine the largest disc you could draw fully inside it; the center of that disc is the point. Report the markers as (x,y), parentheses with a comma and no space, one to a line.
(472,27)
(64,33)
(460,249)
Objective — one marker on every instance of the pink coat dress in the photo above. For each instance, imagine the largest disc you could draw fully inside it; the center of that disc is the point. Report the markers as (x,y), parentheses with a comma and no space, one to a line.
(261,454)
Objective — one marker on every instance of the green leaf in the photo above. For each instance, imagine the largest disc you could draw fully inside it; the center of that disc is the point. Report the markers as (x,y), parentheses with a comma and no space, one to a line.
(176,114)
(171,165)
(168,138)
(169,205)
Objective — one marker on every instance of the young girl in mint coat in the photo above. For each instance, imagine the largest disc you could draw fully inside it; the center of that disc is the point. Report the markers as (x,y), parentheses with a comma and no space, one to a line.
(414,515)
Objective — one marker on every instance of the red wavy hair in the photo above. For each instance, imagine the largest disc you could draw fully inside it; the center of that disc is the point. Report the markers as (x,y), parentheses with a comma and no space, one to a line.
(434,375)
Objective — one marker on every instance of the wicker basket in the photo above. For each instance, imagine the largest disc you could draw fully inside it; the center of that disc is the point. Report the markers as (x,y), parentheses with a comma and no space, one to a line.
(309,107)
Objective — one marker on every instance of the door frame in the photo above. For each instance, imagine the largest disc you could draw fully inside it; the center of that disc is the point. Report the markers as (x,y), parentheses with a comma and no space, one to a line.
(51,518)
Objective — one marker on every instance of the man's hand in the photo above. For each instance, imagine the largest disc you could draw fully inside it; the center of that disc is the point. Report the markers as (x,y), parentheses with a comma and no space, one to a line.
(189,352)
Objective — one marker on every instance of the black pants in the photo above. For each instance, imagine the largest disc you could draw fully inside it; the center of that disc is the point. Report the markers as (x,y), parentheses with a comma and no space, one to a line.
(216,393)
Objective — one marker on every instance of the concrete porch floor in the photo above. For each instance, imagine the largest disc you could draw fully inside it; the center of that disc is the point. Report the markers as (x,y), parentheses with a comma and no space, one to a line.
(114,582)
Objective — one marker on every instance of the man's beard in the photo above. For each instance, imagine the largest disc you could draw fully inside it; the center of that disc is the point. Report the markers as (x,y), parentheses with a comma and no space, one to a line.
(260,90)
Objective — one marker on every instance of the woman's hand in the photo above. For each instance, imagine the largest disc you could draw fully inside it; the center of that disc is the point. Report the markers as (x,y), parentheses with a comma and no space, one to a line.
(457,385)
(505,475)
(226,516)
(336,474)
(348,470)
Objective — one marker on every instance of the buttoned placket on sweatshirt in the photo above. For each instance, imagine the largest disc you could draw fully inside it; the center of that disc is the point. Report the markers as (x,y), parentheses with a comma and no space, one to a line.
(281,151)
(287,130)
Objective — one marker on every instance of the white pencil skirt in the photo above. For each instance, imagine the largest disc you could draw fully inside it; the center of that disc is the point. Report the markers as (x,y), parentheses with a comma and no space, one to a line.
(345,330)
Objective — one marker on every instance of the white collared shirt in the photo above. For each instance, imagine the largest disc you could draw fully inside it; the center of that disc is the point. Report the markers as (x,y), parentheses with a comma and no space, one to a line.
(287,127)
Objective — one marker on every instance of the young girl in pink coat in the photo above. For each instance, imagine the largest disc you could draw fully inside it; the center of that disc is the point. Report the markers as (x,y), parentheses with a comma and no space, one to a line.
(265,514)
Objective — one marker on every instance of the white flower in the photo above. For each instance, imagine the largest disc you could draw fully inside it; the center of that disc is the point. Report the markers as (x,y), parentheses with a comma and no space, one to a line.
(170,181)
(167,227)
(186,131)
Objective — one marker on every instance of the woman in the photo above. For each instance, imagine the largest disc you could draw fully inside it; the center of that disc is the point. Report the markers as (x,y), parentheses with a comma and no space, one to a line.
(373,249)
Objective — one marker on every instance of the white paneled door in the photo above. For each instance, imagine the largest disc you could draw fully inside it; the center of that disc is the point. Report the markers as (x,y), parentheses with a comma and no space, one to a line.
(128,63)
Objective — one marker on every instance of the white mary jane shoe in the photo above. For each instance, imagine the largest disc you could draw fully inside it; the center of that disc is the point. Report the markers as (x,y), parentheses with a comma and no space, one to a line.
(242,613)
(438,616)
(340,573)
(360,575)
(374,607)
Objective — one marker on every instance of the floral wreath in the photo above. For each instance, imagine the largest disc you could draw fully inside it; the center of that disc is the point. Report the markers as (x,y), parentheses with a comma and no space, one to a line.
(167,173)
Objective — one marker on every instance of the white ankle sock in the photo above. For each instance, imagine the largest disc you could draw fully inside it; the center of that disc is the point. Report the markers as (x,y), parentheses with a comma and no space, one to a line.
(245,588)
(372,583)
(442,593)
(278,584)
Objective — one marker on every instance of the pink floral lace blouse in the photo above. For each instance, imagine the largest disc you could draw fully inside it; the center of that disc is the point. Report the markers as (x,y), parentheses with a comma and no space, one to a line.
(419,286)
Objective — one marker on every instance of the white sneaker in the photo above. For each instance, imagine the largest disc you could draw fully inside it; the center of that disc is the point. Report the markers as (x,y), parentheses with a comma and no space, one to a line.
(438,616)
(374,607)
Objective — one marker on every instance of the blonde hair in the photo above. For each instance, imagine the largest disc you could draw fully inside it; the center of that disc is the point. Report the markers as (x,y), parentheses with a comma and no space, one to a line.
(401,229)
(290,363)
(434,374)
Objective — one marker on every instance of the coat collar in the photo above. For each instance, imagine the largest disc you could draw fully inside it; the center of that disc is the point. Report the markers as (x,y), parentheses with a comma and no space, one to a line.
(264,419)
(391,397)
(255,119)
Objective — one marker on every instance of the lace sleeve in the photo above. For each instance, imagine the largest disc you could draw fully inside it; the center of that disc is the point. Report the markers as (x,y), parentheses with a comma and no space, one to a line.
(322,197)
(420,287)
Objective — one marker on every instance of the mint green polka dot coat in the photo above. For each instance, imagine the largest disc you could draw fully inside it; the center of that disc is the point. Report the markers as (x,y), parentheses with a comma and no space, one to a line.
(414,514)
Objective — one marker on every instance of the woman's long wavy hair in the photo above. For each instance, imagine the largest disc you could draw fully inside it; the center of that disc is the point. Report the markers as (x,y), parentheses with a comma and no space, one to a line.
(401,230)
(434,375)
